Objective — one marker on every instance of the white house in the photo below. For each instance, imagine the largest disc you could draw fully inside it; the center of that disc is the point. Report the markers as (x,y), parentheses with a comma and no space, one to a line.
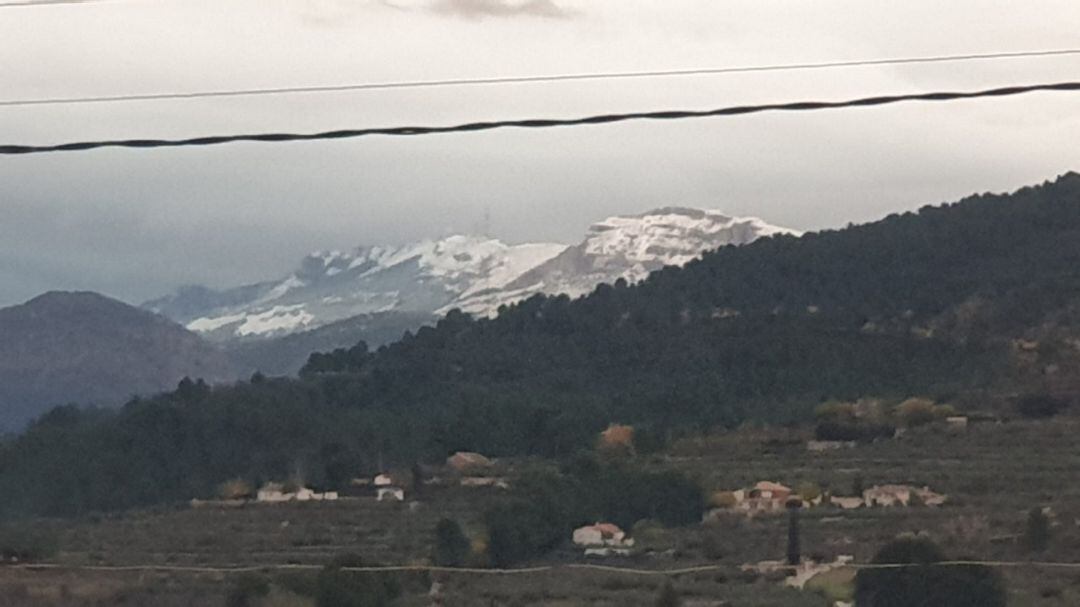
(485,481)
(900,495)
(602,534)
(273,492)
(765,496)
(847,503)
(385,494)
(887,495)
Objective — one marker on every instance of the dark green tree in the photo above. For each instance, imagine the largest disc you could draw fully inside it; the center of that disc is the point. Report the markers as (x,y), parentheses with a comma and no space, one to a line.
(451,545)
(335,586)
(1037,532)
(1037,406)
(925,582)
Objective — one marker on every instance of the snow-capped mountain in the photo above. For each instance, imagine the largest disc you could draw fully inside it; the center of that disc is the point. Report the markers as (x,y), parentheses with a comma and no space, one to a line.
(415,278)
(475,274)
(628,247)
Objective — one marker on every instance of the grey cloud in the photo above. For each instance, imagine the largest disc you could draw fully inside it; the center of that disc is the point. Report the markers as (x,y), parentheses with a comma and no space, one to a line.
(478,9)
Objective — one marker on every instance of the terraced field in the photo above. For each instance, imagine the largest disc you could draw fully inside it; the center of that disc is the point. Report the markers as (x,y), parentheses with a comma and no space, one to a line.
(992,473)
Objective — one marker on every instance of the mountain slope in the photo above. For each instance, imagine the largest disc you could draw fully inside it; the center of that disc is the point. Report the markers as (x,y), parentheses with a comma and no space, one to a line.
(434,276)
(623,247)
(966,303)
(84,348)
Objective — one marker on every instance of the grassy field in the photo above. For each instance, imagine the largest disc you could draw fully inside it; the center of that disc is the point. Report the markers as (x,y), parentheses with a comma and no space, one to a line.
(993,474)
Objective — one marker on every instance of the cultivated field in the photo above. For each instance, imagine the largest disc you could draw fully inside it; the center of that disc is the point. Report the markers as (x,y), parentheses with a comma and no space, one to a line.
(993,474)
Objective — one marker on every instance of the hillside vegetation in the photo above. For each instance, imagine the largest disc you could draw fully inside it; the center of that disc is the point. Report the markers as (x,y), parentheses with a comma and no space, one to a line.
(953,302)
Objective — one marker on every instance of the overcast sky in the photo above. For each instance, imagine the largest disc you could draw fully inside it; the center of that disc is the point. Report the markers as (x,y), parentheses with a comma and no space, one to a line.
(135,224)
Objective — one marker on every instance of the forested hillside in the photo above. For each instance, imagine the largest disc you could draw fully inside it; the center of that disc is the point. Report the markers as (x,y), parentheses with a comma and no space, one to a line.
(931,303)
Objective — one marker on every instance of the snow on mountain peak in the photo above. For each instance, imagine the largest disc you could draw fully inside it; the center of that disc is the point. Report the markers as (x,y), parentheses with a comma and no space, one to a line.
(474,273)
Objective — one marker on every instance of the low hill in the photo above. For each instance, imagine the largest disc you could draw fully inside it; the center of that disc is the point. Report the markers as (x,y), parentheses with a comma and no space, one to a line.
(84,348)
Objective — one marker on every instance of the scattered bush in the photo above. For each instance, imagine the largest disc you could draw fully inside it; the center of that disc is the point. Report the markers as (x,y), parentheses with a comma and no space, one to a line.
(924,583)
(808,491)
(616,441)
(722,499)
(1038,406)
(1037,531)
(452,548)
(668,596)
(246,590)
(235,489)
(20,543)
(915,412)
(337,588)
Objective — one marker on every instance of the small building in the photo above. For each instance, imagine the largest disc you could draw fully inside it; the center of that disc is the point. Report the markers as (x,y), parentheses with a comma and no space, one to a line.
(467,461)
(383,480)
(847,503)
(607,551)
(385,494)
(765,496)
(603,535)
(820,446)
(273,492)
(771,490)
(957,422)
(888,495)
(485,481)
(930,498)
(901,495)
(276,493)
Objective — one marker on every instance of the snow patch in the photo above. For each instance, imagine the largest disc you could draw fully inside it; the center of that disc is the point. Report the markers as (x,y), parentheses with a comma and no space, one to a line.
(279,319)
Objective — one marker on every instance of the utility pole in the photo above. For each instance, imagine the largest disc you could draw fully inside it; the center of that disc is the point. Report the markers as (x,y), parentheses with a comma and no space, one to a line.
(794,549)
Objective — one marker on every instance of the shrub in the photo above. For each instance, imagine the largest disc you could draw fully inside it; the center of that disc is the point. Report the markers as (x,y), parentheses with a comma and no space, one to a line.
(924,583)
(337,588)
(19,543)
(915,412)
(722,499)
(616,441)
(451,546)
(235,489)
(835,412)
(667,596)
(1037,406)
(808,491)
(246,589)
(1037,532)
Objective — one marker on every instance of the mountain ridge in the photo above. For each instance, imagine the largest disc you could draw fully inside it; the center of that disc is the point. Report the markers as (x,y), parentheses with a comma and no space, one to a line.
(974,303)
(472,273)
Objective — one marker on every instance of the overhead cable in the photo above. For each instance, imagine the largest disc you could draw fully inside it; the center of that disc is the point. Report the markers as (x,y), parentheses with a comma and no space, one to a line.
(539,123)
(371,86)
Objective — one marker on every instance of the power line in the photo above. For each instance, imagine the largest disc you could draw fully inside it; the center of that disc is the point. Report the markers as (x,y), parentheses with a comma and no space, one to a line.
(236,569)
(28,3)
(534,79)
(537,123)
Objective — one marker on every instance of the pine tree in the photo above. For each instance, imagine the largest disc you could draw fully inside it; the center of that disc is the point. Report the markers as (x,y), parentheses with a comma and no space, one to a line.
(1037,535)
(451,545)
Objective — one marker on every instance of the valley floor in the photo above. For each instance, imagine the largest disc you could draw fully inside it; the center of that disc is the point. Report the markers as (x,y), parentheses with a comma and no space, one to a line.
(993,475)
